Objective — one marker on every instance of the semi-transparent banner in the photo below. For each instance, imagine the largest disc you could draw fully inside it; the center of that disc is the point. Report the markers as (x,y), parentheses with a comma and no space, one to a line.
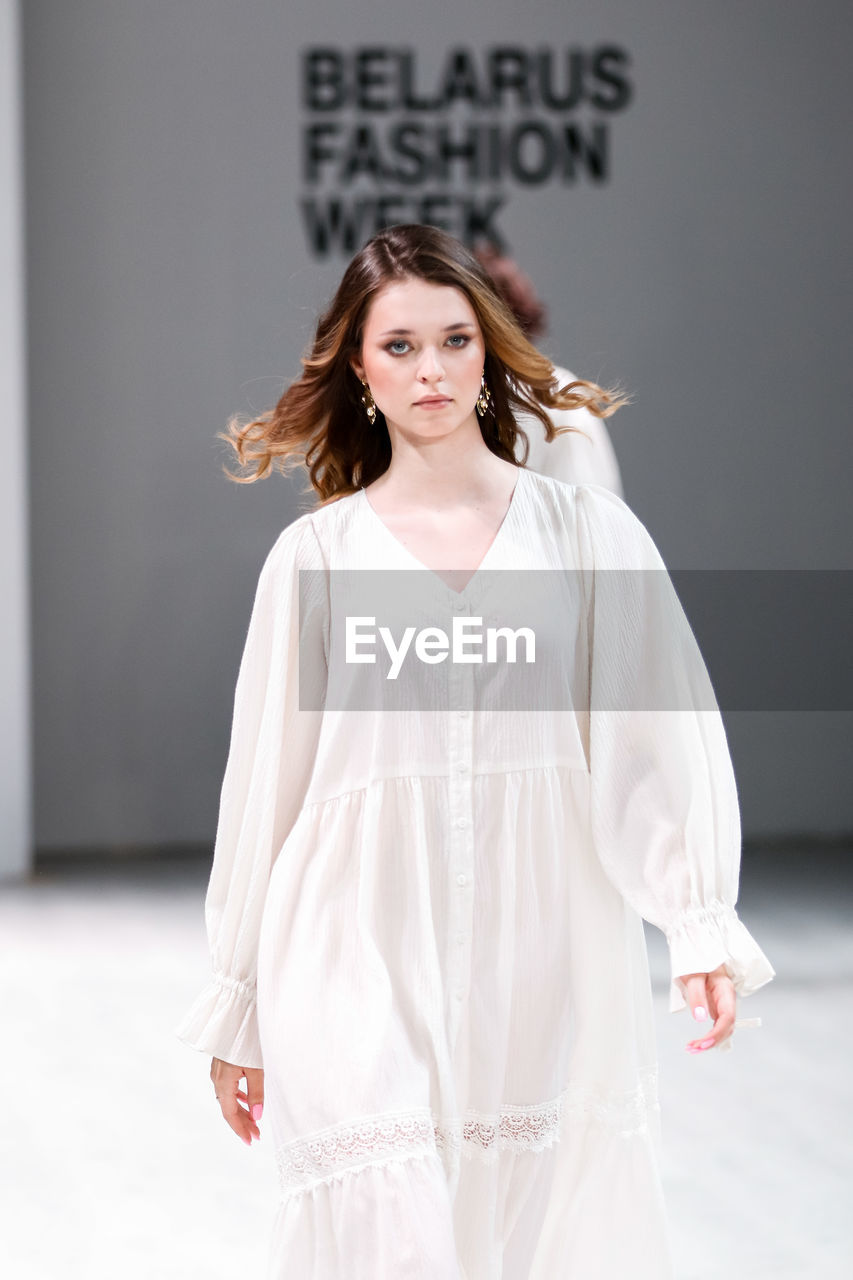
(560,640)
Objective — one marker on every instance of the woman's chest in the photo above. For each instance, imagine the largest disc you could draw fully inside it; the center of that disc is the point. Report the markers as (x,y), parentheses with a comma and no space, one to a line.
(452,546)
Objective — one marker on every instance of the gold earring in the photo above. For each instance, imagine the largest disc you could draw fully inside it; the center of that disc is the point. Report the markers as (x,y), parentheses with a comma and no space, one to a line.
(368,402)
(484,399)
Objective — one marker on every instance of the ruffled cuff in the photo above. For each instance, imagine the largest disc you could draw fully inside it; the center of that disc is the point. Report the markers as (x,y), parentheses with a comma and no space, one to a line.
(223,1022)
(703,938)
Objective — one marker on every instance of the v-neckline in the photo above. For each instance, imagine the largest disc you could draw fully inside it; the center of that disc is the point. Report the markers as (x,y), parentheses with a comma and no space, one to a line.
(499,534)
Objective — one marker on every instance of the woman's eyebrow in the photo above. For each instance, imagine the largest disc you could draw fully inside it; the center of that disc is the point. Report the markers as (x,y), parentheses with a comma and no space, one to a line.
(407,333)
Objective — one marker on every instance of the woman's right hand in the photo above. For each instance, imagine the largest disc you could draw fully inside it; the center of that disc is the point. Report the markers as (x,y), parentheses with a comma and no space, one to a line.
(242,1111)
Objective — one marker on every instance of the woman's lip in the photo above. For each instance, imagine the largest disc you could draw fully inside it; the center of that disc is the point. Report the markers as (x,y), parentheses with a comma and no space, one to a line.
(435,400)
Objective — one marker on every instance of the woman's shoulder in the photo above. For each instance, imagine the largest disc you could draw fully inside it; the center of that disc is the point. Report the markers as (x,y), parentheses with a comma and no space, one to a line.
(296,547)
(566,495)
(306,541)
(599,516)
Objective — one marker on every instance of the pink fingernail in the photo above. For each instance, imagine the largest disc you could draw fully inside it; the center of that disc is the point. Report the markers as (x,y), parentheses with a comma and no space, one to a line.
(257,1110)
(706,1044)
(692,1049)
(699,1013)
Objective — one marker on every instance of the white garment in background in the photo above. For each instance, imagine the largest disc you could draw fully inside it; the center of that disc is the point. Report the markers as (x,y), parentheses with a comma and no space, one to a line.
(574,458)
(426,925)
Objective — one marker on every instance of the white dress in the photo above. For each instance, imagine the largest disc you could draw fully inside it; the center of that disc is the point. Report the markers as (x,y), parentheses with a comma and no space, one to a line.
(426,924)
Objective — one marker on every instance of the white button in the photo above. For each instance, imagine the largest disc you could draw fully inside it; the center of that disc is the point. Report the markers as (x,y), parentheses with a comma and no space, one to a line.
(462,822)
(460,938)
(458,606)
(462,766)
(461,714)
(459,993)
(462,880)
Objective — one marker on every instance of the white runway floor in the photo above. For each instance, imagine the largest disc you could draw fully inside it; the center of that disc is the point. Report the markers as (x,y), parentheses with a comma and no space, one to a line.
(117,1164)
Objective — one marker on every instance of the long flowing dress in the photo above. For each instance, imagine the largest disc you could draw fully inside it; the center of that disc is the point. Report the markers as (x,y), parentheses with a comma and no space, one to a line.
(426,902)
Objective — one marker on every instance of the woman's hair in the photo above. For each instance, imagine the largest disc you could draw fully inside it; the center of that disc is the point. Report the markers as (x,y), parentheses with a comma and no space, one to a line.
(320,419)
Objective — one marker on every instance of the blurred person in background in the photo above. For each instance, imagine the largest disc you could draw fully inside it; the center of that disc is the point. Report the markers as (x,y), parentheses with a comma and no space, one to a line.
(577,459)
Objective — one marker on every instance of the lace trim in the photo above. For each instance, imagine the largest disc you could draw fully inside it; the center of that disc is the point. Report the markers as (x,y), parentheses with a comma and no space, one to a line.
(345,1148)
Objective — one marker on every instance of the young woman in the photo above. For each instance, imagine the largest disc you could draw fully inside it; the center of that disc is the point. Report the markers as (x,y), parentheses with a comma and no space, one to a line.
(426,902)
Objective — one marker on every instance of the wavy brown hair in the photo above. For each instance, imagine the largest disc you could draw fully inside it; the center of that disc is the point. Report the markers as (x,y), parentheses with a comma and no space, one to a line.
(320,421)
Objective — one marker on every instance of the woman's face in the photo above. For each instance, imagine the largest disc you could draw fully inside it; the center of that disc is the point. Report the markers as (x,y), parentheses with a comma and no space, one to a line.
(422,355)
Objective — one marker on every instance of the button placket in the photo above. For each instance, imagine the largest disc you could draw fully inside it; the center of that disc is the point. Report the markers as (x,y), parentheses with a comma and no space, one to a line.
(460,835)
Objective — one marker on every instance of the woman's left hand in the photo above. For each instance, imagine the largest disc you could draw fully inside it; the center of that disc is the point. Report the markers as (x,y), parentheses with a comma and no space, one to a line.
(714,994)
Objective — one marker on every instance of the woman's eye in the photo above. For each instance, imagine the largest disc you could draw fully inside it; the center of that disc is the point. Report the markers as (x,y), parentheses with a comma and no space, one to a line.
(400,346)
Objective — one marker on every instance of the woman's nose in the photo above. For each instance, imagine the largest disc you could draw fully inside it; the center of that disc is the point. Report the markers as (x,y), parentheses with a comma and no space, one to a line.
(430,366)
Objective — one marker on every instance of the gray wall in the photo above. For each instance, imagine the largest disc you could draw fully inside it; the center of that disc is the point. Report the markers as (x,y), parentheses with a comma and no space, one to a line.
(170,284)
(15,771)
